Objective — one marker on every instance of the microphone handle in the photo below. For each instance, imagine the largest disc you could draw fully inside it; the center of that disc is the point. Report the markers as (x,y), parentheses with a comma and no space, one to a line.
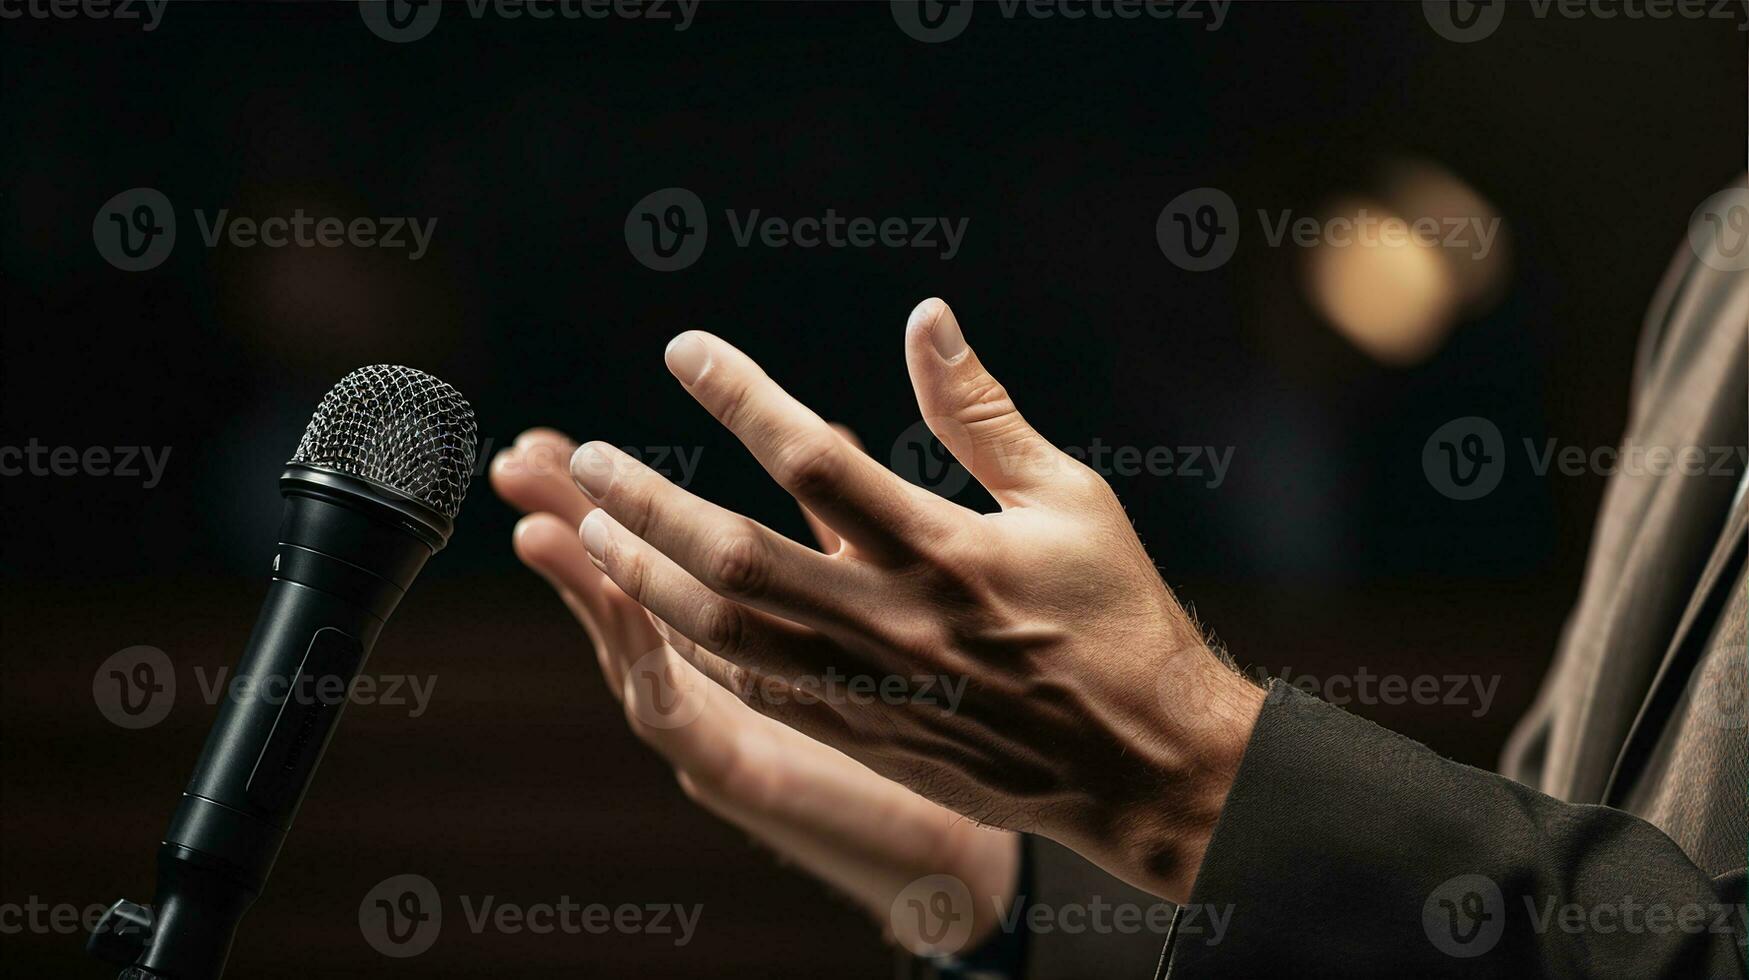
(346,557)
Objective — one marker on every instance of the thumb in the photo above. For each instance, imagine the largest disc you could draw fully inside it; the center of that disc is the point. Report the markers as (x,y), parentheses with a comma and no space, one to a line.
(971,413)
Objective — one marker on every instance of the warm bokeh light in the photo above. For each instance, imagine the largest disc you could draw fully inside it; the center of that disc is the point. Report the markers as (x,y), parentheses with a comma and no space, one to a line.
(1394,271)
(1394,299)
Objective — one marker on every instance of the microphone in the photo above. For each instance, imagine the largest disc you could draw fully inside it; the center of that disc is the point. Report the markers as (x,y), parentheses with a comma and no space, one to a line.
(370,495)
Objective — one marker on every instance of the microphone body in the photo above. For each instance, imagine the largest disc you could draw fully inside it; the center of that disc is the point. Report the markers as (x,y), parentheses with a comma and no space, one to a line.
(346,556)
(349,546)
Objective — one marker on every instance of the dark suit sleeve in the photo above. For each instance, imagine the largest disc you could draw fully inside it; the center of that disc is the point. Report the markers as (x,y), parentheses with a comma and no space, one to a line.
(1347,850)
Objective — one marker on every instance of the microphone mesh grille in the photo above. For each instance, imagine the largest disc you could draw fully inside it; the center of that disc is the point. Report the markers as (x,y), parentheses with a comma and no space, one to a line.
(399,427)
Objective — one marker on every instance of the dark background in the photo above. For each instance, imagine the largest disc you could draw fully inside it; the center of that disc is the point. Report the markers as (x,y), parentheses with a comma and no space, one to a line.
(1326,549)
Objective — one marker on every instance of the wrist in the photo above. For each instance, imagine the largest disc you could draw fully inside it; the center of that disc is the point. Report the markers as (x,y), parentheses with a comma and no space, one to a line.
(1181,760)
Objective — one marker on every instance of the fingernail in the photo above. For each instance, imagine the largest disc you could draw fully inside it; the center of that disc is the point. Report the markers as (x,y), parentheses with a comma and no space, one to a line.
(687,357)
(592,468)
(949,341)
(595,535)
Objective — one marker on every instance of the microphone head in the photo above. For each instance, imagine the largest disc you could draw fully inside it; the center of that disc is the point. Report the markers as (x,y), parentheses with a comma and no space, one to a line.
(400,428)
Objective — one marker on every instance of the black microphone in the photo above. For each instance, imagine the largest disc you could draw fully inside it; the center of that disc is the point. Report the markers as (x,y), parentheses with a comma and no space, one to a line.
(371,493)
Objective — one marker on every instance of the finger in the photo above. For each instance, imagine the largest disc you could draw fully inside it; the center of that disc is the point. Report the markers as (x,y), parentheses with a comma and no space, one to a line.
(860,499)
(799,702)
(534,475)
(730,676)
(971,413)
(830,542)
(746,637)
(677,711)
(717,741)
(730,554)
(536,543)
(618,627)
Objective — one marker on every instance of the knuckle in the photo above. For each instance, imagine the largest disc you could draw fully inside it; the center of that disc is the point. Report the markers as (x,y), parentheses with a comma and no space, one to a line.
(724,631)
(951,553)
(737,563)
(746,687)
(735,678)
(983,402)
(809,463)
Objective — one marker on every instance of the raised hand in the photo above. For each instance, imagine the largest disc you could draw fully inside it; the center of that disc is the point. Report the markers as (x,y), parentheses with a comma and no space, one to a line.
(1092,710)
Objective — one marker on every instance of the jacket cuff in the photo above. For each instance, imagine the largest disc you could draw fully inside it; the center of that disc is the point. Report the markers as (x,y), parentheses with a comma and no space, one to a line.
(1345,849)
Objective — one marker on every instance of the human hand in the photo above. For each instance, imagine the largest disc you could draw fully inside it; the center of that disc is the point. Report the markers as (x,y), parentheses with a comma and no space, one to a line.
(858,831)
(1093,711)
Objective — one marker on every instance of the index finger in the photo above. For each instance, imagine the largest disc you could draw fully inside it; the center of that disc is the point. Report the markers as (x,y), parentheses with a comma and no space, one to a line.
(867,504)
